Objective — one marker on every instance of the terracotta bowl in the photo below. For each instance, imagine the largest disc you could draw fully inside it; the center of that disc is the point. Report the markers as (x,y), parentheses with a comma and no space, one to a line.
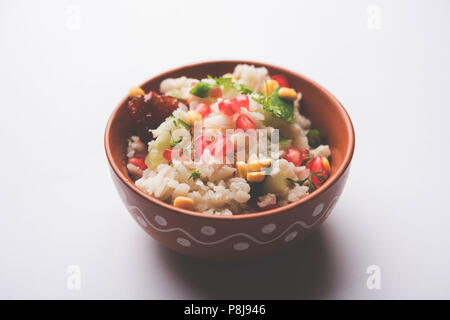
(246,236)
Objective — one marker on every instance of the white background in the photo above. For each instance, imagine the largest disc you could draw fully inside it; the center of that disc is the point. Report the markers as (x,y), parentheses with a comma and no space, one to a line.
(59,84)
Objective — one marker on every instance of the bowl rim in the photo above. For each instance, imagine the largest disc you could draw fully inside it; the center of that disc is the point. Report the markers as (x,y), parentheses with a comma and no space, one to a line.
(331,181)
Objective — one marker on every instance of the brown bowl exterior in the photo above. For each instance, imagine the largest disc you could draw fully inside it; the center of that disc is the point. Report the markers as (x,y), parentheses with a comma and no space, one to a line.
(247,236)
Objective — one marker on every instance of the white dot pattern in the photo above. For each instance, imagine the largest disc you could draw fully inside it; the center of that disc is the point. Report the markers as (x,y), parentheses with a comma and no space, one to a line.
(269,228)
(291,236)
(318,209)
(241,246)
(161,221)
(141,221)
(183,242)
(208,230)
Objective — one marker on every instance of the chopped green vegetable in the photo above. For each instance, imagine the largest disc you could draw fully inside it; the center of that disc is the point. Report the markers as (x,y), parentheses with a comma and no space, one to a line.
(178,122)
(315,138)
(284,142)
(228,82)
(174,93)
(184,124)
(311,185)
(281,108)
(155,156)
(201,90)
(256,189)
(195,175)
(276,184)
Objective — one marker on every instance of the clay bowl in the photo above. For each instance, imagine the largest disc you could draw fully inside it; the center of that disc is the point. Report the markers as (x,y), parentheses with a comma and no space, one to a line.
(246,236)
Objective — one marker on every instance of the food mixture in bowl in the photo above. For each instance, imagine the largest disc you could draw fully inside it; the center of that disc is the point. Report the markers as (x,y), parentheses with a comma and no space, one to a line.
(225,145)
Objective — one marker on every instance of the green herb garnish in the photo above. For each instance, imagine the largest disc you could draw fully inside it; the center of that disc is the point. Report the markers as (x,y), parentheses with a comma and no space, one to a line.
(280,108)
(195,175)
(184,124)
(315,138)
(311,185)
(178,122)
(228,82)
(201,90)
(284,142)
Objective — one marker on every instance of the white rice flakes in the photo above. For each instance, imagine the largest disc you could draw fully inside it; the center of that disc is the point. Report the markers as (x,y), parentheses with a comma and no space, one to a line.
(168,182)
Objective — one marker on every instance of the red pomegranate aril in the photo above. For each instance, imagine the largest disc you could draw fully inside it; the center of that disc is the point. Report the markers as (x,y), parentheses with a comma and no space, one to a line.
(305,155)
(138,161)
(171,154)
(167,154)
(215,93)
(282,81)
(243,101)
(229,107)
(200,144)
(294,155)
(203,108)
(221,147)
(245,123)
(316,166)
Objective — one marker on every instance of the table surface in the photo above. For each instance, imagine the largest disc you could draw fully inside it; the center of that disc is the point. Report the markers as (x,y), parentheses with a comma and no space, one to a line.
(64,67)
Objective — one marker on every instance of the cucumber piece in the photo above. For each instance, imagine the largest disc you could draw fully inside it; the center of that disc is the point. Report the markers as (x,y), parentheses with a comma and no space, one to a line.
(155,156)
(271,121)
(276,184)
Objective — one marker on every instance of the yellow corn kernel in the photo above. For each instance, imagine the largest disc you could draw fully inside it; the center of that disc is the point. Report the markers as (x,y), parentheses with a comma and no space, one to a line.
(256,176)
(242,169)
(254,166)
(136,91)
(288,94)
(184,203)
(269,87)
(265,163)
(326,164)
(257,165)
(193,116)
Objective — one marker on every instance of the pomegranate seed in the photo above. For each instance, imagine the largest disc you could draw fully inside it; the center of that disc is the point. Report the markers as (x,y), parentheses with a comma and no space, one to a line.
(294,155)
(138,161)
(221,147)
(316,166)
(282,81)
(215,93)
(245,123)
(203,109)
(167,154)
(243,101)
(229,107)
(200,144)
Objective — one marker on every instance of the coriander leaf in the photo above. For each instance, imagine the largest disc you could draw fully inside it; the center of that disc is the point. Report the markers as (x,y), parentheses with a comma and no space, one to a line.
(179,122)
(184,124)
(243,89)
(280,108)
(315,138)
(195,175)
(228,82)
(201,90)
(291,182)
(284,142)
